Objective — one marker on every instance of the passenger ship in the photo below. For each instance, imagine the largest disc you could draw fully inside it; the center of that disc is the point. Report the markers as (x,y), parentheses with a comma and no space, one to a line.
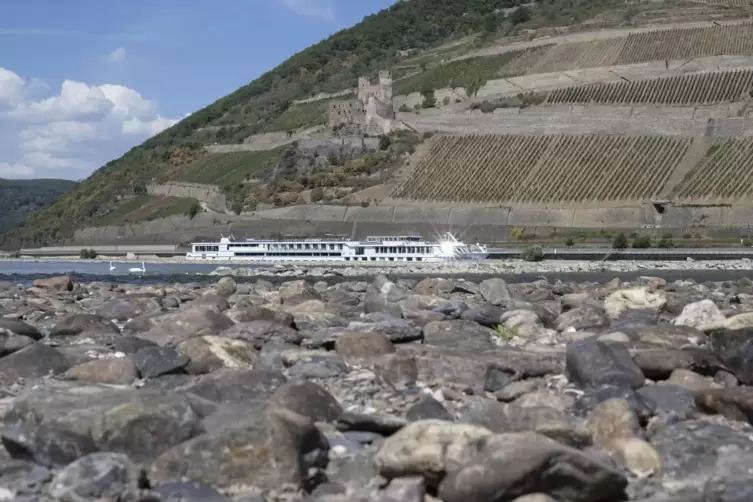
(376,249)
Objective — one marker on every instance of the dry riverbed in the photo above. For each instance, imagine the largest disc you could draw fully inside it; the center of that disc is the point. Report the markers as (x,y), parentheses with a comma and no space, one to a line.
(326,269)
(418,390)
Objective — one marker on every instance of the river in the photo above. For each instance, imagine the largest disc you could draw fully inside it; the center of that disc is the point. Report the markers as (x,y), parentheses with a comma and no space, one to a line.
(166,273)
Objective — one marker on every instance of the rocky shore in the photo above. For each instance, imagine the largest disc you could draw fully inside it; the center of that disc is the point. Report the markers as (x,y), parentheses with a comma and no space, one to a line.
(483,268)
(409,391)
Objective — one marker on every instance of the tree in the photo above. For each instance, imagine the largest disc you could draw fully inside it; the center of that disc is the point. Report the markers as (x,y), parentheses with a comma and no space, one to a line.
(384,142)
(620,241)
(429,100)
(642,242)
(317,194)
(193,210)
(532,253)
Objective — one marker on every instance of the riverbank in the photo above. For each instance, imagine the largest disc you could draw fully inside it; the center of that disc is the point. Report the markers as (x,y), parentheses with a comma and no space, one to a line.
(368,269)
(632,391)
(505,267)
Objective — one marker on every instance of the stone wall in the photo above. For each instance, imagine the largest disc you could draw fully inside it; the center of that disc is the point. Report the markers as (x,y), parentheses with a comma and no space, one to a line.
(348,146)
(714,121)
(210,195)
(491,224)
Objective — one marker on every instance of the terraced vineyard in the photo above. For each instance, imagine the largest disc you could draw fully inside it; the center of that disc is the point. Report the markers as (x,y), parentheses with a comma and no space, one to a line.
(469,73)
(542,169)
(725,173)
(699,88)
(577,55)
(227,168)
(682,43)
(727,3)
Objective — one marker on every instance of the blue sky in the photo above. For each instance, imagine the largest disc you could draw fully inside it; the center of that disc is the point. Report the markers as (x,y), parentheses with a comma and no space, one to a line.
(81,81)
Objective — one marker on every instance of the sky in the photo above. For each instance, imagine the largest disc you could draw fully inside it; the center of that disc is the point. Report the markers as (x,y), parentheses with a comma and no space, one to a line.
(80,86)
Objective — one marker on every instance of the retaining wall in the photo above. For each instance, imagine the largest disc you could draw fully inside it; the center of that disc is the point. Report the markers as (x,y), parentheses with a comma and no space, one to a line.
(208,194)
(475,224)
(714,121)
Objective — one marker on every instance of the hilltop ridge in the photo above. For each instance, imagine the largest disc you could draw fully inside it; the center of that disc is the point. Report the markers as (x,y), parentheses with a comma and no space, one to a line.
(457,67)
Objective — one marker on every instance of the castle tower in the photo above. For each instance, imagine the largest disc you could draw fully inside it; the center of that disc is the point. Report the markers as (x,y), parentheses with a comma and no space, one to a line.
(363,89)
(385,86)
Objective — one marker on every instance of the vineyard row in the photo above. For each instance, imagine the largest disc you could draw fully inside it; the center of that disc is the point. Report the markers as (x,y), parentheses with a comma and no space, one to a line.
(659,45)
(725,173)
(543,169)
(699,88)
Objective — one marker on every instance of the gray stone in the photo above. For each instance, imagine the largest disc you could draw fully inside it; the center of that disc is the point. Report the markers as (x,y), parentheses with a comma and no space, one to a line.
(460,335)
(76,324)
(428,407)
(99,475)
(34,361)
(511,465)
(267,451)
(495,291)
(260,332)
(20,327)
(45,445)
(307,399)
(155,361)
(592,363)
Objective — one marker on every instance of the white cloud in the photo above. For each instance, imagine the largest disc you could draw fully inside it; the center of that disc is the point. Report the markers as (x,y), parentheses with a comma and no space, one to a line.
(322,9)
(11,87)
(15,171)
(72,132)
(117,55)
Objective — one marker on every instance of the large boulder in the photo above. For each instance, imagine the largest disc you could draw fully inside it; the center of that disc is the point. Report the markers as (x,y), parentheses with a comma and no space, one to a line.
(176,327)
(60,283)
(278,447)
(635,298)
(141,424)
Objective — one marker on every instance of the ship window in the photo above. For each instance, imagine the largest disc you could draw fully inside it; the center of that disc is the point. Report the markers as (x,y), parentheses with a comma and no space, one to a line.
(418,258)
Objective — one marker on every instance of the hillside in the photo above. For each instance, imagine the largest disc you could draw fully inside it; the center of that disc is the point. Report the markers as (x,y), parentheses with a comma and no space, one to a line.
(460,67)
(20,198)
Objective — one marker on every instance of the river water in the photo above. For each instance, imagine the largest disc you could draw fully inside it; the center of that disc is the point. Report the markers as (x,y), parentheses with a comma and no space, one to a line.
(167,273)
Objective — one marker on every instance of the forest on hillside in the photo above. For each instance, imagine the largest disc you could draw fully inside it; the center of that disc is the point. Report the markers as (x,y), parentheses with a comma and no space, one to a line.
(20,198)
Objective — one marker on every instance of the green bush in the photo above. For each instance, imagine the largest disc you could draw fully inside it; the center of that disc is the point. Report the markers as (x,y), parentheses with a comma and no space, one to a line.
(569,242)
(317,194)
(193,210)
(665,243)
(532,253)
(642,242)
(87,254)
(620,241)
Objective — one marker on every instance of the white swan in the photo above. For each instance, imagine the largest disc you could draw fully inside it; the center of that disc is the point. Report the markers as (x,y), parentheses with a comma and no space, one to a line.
(137,269)
(111,267)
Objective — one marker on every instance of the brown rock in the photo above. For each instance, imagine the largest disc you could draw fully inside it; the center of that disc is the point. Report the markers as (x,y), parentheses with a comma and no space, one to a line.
(363,345)
(734,403)
(60,283)
(397,368)
(638,456)
(612,419)
(688,380)
(210,353)
(110,371)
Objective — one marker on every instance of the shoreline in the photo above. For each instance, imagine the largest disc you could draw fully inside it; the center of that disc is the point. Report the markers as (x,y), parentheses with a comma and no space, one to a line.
(349,269)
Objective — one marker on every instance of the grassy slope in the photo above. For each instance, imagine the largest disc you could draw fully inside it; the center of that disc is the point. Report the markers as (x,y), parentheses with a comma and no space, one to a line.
(265,104)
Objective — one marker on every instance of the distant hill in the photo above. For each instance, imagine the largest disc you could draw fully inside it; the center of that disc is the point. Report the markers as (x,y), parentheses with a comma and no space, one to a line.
(20,198)
(420,42)
(264,105)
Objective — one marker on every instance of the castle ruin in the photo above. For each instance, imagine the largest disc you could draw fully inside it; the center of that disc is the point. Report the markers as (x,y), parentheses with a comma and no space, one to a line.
(371,113)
